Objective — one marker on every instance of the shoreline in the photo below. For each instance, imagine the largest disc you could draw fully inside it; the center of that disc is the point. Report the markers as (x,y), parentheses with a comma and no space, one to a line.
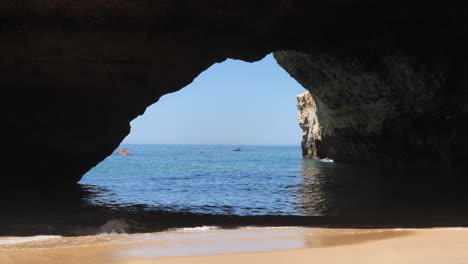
(94,221)
(245,245)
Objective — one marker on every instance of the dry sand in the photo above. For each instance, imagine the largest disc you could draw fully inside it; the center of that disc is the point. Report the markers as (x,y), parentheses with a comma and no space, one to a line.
(246,246)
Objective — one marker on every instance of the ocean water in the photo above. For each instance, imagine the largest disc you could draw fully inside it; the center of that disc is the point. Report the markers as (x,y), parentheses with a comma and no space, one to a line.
(264,180)
(210,179)
(160,187)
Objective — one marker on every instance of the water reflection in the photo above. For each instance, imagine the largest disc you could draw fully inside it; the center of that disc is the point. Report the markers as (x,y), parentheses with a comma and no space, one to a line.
(335,189)
(332,194)
(316,197)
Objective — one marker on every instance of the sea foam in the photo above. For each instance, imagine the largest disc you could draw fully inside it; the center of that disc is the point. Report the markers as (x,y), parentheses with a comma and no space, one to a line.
(194,229)
(23,240)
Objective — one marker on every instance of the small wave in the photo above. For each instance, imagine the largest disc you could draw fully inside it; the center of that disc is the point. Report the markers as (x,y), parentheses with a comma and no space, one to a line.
(22,240)
(198,228)
(269,227)
(119,226)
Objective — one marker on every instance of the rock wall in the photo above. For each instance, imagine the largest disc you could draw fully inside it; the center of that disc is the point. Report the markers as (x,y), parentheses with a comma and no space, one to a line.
(75,73)
(384,101)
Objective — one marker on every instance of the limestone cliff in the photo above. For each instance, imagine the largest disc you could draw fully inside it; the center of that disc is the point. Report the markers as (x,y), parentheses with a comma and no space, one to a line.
(309,123)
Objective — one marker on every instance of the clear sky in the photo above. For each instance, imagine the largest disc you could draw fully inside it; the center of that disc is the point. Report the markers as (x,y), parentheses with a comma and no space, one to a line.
(233,102)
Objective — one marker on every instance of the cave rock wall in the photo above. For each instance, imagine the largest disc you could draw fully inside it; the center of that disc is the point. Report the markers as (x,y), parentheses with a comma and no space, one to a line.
(393,102)
(74,74)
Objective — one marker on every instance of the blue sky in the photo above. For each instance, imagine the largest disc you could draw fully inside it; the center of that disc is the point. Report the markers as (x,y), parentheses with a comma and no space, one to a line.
(233,102)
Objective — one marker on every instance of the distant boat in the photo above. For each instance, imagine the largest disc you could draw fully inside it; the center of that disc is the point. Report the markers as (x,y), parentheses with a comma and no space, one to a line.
(123,152)
(237,149)
(326,160)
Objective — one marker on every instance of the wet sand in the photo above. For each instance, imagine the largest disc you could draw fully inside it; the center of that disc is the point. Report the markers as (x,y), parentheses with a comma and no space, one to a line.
(246,246)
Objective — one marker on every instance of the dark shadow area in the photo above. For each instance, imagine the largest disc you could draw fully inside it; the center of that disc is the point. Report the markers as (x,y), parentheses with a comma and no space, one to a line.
(337,195)
(364,190)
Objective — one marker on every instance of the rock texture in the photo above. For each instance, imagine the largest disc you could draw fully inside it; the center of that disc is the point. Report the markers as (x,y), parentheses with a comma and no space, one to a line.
(394,104)
(309,123)
(75,73)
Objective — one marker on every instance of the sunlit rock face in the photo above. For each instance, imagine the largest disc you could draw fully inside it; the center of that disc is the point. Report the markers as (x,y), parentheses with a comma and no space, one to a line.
(308,121)
(75,73)
(386,100)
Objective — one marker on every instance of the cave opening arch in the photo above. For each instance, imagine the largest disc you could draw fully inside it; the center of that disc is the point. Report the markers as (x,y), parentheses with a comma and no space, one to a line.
(232,104)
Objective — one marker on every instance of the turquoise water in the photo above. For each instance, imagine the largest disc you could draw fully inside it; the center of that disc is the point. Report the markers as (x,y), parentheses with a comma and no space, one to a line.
(171,186)
(213,179)
(262,180)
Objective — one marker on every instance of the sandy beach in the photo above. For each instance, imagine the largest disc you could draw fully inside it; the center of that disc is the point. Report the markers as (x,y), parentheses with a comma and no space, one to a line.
(245,245)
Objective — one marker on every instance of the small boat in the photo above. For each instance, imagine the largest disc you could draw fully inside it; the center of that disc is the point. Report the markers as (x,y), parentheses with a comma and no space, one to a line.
(237,149)
(326,160)
(123,152)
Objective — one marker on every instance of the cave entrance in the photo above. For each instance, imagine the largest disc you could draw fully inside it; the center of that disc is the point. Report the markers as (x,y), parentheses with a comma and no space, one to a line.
(181,148)
(233,102)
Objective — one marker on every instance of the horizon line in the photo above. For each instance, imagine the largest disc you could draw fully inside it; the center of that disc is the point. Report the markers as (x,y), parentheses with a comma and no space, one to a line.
(225,144)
